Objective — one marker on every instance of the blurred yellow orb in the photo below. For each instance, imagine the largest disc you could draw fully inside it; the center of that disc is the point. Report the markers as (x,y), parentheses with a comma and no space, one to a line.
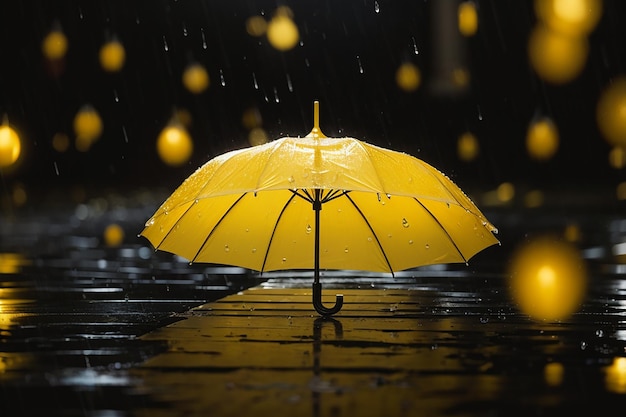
(573,17)
(620,191)
(615,376)
(251,118)
(10,146)
(556,57)
(54,45)
(113,235)
(611,113)
(257,136)
(505,192)
(533,199)
(617,157)
(256,26)
(195,78)
(467,147)
(542,139)
(553,374)
(87,127)
(60,142)
(112,56)
(548,278)
(468,18)
(174,145)
(408,77)
(282,32)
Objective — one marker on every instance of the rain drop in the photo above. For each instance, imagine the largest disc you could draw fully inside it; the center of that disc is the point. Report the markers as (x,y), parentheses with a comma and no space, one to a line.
(415,50)
(204,46)
(115,96)
(308,229)
(125,134)
(346,250)
(56,169)
(222,80)
(405,223)
(290,179)
(358,59)
(289,84)
(427,246)
(253,250)
(410,241)
(185,30)
(284,260)
(480,114)
(376,7)
(256,84)
(165,46)
(226,248)
(276,99)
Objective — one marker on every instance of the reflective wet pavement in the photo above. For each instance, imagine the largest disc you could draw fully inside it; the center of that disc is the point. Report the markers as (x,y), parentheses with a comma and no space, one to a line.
(88,329)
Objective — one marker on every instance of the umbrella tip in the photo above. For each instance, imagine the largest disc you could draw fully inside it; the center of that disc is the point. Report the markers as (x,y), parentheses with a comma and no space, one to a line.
(316,132)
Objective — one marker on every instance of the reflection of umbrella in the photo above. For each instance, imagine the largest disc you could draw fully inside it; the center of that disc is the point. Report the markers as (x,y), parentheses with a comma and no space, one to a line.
(261,208)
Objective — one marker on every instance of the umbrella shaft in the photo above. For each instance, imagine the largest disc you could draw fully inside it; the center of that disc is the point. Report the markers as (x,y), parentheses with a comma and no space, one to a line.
(317,206)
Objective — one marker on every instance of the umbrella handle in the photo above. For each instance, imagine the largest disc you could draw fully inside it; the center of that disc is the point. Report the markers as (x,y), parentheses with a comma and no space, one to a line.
(317,301)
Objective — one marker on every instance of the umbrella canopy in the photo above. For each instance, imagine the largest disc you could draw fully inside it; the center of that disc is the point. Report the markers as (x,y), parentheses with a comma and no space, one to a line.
(319,203)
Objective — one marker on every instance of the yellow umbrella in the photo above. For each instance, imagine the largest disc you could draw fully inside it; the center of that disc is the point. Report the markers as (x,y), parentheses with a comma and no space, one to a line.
(321,203)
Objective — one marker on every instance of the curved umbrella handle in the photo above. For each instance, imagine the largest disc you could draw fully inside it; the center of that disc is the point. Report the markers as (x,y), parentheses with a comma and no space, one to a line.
(317,301)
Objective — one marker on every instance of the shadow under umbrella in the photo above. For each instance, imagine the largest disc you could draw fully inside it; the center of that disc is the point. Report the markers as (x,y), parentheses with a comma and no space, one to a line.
(318,385)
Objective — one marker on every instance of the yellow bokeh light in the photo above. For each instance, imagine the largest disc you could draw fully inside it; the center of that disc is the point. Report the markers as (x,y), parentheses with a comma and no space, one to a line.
(620,191)
(60,142)
(174,145)
(10,145)
(467,147)
(112,56)
(408,77)
(611,113)
(257,136)
(19,195)
(113,235)
(615,376)
(54,45)
(556,57)
(12,263)
(572,233)
(468,18)
(617,157)
(256,26)
(251,118)
(548,278)
(553,374)
(87,127)
(533,199)
(572,17)
(282,32)
(505,192)
(195,78)
(542,139)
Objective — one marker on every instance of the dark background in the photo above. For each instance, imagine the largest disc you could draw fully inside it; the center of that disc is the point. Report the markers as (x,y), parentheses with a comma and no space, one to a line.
(338,38)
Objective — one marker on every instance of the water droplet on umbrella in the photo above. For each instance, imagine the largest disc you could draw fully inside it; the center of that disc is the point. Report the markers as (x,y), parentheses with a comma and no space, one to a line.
(427,246)
(308,228)
(226,248)
(290,179)
(405,223)
(253,250)
(410,241)
(284,260)
(346,250)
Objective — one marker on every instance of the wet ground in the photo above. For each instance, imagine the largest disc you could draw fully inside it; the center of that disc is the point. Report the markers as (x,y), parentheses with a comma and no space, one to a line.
(90,329)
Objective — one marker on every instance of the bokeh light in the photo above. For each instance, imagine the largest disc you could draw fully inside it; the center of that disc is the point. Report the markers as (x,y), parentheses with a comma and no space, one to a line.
(572,17)
(257,136)
(611,112)
(615,376)
(505,192)
(617,157)
(195,78)
(408,77)
(533,199)
(87,127)
(10,145)
(60,142)
(174,145)
(19,196)
(113,235)
(251,118)
(556,57)
(282,32)
(620,191)
(467,147)
(256,26)
(548,278)
(542,139)
(553,374)
(54,45)
(112,56)
(468,18)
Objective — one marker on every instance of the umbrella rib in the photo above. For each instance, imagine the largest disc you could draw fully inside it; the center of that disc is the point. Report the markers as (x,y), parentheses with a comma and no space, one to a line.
(216,226)
(380,246)
(173,226)
(269,244)
(442,228)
